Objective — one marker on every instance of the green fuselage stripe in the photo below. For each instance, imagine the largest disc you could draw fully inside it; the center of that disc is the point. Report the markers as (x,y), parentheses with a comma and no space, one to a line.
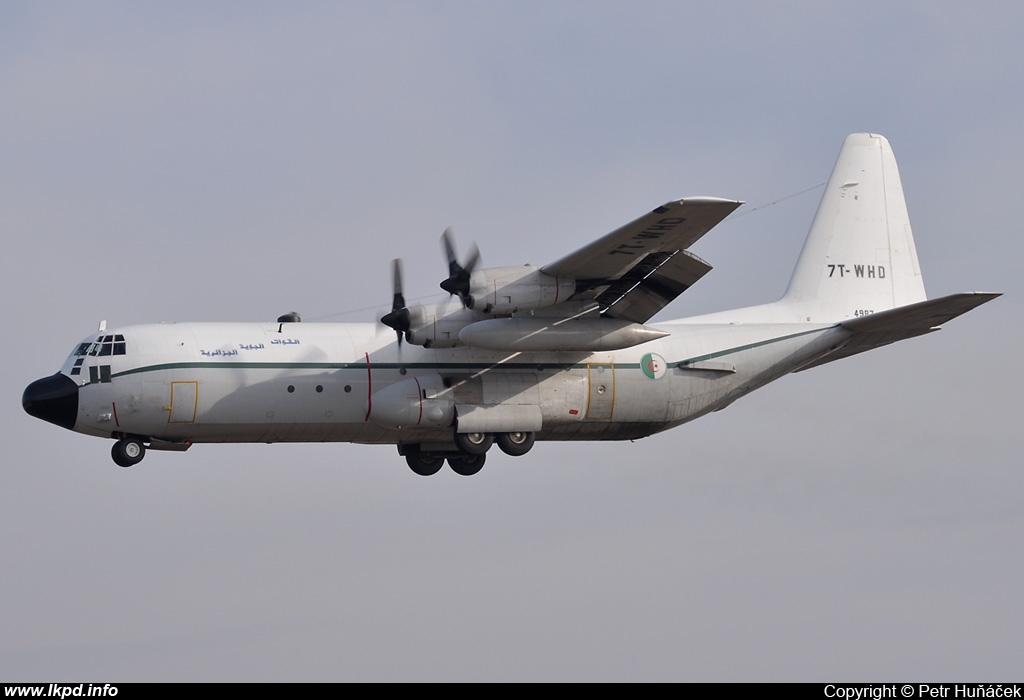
(470,366)
(749,346)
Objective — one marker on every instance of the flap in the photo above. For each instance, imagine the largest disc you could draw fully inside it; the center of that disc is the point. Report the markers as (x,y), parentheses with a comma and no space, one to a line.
(651,285)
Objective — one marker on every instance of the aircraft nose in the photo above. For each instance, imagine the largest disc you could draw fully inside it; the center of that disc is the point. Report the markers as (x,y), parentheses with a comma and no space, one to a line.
(53,399)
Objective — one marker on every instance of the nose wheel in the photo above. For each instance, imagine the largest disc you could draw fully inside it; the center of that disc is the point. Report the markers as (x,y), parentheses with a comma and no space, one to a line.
(127,452)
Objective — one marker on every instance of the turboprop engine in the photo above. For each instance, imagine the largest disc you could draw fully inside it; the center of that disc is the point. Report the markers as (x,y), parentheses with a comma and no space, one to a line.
(501,290)
(429,325)
(496,311)
(495,291)
(508,290)
(438,325)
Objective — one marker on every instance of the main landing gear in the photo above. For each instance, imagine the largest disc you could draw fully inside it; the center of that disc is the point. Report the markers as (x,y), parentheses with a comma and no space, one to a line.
(470,453)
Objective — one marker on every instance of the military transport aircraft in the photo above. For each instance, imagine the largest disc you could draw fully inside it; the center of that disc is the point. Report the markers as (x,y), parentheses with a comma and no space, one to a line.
(518,354)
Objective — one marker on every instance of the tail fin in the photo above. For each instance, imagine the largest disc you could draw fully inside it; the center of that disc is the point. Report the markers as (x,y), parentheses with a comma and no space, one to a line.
(859,256)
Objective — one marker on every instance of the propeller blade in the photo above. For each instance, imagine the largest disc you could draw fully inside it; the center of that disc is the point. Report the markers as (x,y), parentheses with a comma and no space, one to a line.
(398,318)
(398,301)
(449,249)
(458,275)
(474,258)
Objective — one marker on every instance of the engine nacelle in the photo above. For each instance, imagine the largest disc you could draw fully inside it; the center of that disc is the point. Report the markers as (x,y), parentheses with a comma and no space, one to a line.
(506,290)
(416,402)
(438,325)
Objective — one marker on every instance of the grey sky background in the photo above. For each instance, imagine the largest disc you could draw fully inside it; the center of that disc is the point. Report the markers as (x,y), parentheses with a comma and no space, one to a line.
(234,161)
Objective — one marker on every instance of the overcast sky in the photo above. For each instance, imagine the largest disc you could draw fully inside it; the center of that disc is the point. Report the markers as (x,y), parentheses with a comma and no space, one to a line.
(234,161)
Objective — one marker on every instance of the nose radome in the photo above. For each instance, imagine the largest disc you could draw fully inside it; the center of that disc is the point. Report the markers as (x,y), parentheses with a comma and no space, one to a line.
(53,399)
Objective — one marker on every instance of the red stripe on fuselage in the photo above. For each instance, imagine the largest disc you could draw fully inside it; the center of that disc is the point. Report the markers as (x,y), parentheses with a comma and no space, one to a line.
(369,389)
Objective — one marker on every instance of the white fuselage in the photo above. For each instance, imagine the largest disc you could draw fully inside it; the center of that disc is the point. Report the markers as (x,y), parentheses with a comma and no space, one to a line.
(519,354)
(292,382)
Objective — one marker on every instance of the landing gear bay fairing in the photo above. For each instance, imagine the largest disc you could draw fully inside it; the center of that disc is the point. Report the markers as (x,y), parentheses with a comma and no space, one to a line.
(517,355)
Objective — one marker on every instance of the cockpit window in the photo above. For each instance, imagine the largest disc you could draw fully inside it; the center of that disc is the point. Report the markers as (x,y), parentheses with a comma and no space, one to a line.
(103,346)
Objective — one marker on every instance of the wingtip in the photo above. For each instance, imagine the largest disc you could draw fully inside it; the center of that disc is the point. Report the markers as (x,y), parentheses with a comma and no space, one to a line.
(710,200)
(699,201)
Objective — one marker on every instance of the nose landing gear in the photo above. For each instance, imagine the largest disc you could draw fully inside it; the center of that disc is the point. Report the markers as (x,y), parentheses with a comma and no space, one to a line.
(128,451)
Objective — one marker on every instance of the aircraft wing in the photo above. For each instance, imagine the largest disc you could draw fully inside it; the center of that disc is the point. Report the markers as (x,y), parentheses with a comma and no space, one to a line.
(637,269)
(887,327)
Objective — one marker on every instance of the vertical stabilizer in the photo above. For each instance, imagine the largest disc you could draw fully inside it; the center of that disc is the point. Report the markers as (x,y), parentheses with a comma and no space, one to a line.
(859,257)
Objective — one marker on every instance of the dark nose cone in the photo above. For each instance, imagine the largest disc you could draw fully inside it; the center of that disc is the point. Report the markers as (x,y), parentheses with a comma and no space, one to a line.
(53,399)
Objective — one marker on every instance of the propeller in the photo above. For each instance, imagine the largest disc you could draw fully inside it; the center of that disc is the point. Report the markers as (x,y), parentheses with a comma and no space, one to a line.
(398,318)
(458,275)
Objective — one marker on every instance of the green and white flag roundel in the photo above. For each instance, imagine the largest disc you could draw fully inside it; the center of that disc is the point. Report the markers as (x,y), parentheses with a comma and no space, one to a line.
(653,365)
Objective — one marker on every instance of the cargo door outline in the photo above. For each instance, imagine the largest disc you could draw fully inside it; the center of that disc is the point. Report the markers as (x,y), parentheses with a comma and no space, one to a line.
(600,390)
(184,400)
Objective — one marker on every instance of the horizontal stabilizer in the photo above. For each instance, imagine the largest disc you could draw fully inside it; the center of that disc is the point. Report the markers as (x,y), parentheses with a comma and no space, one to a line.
(885,327)
(922,315)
